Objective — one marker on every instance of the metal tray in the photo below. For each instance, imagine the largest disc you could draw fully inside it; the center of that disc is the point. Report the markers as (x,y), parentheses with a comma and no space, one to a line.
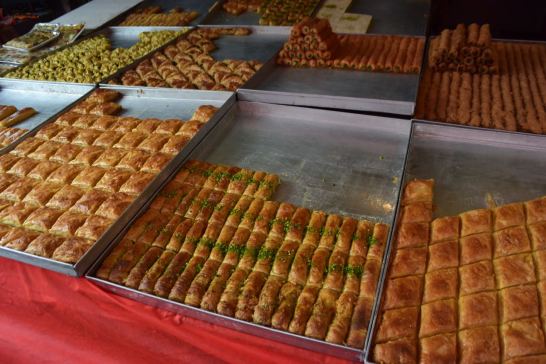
(55,34)
(262,44)
(341,163)
(470,167)
(201,6)
(47,98)
(125,37)
(425,65)
(218,16)
(119,37)
(97,13)
(390,93)
(167,104)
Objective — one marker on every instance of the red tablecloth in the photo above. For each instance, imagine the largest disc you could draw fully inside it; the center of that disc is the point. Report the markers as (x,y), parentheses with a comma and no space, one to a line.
(48,317)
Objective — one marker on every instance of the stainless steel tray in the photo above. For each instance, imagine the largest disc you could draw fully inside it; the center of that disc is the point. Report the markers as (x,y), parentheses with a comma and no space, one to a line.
(96,13)
(201,6)
(167,104)
(390,93)
(217,16)
(262,45)
(470,167)
(337,162)
(47,98)
(119,37)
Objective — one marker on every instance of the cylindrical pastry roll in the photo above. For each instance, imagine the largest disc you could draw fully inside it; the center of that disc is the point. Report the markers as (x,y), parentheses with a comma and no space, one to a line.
(485,97)
(126,262)
(418,56)
(192,237)
(401,54)
(197,203)
(336,271)
(165,235)
(268,301)
(6,111)
(375,55)
(497,113)
(443,96)
(251,251)
(434,57)
(297,225)
(267,186)
(180,288)
(288,298)
(207,241)
(345,235)
(168,278)
(453,102)
(111,260)
(301,264)
(267,254)
(284,257)
(248,299)
(444,45)
(432,98)
(370,276)
(355,269)
(330,231)
(338,330)
(201,282)
(179,235)
(223,208)
(532,79)
(254,183)
(473,31)
(152,275)
(377,241)
(314,228)
(239,181)
(139,270)
(534,55)
(457,40)
(228,301)
(506,93)
(319,264)
(359,322)
(322,315)
(475,117)
(388,40)
(216,288)
(282,220)
(304,308)
(484,38)
(256,217)
(465,99)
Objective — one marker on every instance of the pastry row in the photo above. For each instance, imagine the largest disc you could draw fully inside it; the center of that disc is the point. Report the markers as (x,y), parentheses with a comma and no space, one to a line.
(90,60)
(464,49)
(322,48)
(465,288)
(229,251)
(153,16)
(514,99)
(189,64)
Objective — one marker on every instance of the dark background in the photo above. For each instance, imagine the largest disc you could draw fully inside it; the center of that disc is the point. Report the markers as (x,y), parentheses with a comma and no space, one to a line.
(509,19)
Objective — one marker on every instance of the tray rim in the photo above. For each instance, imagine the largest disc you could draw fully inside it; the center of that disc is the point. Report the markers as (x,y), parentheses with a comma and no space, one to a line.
(342,351)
